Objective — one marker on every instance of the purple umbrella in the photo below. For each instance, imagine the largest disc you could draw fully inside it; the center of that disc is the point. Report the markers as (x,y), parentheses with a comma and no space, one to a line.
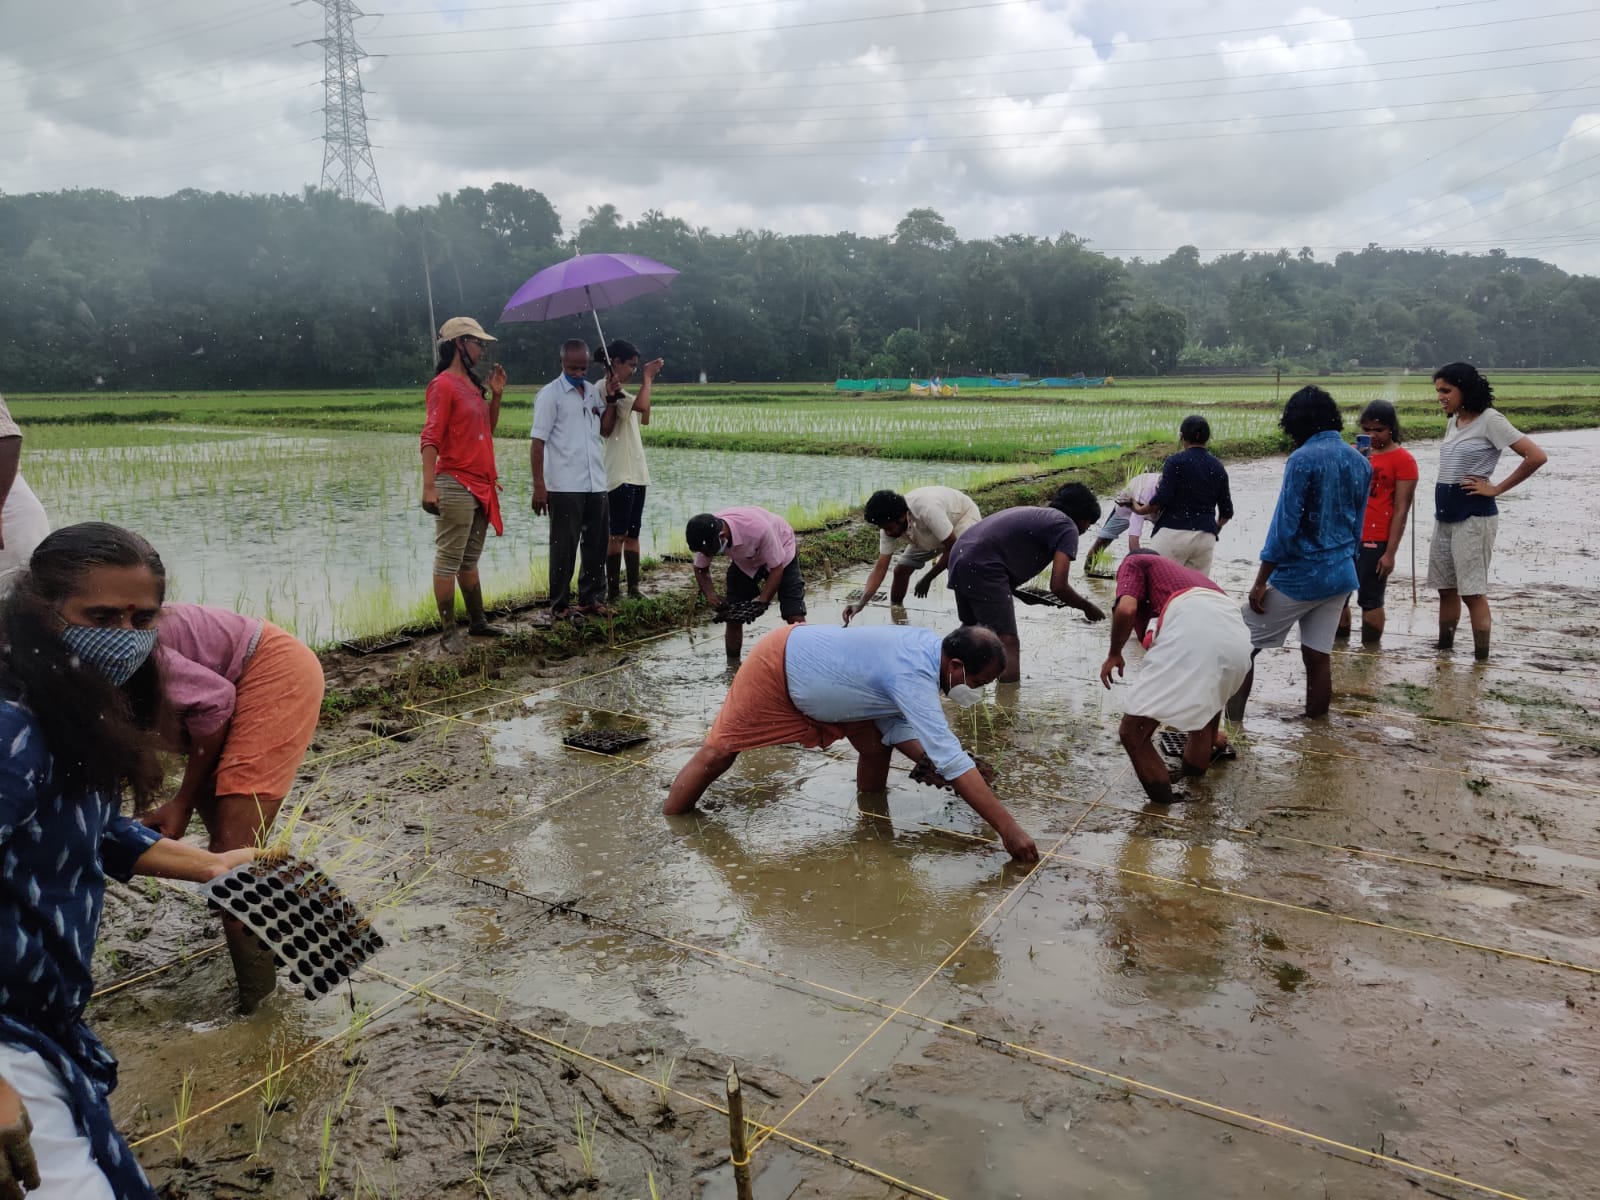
(587,283)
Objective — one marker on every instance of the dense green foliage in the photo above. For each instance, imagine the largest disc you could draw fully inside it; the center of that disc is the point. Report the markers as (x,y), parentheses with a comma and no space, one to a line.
(221,291)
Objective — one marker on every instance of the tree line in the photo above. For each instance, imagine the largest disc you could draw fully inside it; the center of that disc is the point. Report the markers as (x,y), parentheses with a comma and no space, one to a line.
(214,290)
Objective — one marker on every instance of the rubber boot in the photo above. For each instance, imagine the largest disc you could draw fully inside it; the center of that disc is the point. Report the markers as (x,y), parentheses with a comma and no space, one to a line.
(631,558)
(613,575)
(480,626)
(1480,645)
(451,639)
(1447,635)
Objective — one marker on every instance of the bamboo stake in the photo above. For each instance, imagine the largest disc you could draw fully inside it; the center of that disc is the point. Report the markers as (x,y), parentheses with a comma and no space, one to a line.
(1411,519)
(739,1153)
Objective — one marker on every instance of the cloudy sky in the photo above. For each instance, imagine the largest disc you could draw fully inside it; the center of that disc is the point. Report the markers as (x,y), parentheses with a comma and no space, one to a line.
(1228,124)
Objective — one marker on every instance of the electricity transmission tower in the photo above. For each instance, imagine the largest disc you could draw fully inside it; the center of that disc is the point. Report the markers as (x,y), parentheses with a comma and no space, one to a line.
(347,166)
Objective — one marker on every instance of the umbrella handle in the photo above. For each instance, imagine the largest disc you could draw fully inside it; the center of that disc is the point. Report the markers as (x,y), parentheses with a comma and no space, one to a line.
(601,333)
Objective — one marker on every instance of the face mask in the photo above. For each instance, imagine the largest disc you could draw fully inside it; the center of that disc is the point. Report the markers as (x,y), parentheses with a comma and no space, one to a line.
(115,653)
(962,695)
(576,381)
(723,545)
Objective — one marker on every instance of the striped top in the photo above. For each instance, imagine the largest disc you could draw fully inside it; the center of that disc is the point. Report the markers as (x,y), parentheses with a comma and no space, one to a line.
(1475,449)
(1471,449)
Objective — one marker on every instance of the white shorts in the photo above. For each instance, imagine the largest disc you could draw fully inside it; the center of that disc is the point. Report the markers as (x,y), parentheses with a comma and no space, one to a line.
(1197,662)
(911,557)
(1318,621)
(1458,559)
(1191,548)
(67,1170)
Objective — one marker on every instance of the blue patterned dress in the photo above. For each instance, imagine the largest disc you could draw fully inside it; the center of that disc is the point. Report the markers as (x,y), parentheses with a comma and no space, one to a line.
(55,853)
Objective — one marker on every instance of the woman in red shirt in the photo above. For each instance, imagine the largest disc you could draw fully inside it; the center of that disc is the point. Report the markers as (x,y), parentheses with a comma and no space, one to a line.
(1394,484)
(460,486)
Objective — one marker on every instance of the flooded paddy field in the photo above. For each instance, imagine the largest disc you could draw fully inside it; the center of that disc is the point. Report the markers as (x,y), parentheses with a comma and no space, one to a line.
(324,533)
(1363,963)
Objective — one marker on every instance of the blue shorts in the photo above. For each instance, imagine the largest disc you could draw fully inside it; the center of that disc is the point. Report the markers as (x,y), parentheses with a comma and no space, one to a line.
(626,505)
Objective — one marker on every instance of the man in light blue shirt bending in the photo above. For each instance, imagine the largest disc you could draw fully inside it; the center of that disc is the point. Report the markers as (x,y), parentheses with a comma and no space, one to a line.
(878,687)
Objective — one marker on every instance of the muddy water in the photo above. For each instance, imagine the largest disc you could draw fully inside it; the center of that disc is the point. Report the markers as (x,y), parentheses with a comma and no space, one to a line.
(1377,932)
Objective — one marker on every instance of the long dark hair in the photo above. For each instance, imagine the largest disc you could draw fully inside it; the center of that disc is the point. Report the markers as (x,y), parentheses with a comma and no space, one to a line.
(447,355)
(1476,394)
(100,737)
(1384,414)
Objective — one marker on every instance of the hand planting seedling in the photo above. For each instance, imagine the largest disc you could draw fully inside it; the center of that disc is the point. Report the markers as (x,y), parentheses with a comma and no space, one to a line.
(739,614)
(924,773)
(298,914)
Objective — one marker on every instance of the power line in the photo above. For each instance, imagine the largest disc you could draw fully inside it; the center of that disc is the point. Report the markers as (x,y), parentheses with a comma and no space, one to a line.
(662,149)
(347,166)
(934,12)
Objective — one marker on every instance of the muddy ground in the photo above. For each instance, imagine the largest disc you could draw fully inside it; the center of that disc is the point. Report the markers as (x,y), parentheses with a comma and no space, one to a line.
(1362,962)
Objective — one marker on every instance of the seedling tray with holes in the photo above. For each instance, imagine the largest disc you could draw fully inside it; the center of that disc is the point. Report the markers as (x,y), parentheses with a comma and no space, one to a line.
(376,644)
(739,614)
(1039,596)
(604,741)
(1172,742)
(298,914)
(856,597)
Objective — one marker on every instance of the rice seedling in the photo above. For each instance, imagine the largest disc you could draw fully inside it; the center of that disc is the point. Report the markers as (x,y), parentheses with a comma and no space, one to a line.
(585,1131)
(392,1123)
(182,1107)
(326,1153)
(360,1014)
(662,1069)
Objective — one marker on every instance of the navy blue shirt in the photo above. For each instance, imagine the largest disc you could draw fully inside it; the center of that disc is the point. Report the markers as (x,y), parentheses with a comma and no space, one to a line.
(1010,547)
(56,850)
(1193,491)
(1316,528)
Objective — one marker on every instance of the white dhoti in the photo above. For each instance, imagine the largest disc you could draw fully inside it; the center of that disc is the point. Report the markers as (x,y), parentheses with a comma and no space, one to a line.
(1199,658)
(23,525)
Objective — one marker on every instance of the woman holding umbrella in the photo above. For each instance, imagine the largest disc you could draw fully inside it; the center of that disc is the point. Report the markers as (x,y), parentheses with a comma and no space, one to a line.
(627,475)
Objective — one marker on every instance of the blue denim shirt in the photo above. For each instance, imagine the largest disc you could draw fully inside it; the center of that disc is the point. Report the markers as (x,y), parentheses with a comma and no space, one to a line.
(1316,528)
(56,850)
(883,673)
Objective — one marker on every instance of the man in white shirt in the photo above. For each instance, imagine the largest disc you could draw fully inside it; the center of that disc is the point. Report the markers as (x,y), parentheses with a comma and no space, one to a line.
(922,526)
(23,523)
(570,422)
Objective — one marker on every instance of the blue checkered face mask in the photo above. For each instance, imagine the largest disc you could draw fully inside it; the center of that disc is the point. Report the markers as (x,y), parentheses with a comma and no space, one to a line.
(115,653)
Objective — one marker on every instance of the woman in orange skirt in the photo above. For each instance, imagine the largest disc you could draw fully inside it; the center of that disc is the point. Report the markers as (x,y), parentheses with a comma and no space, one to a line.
(246,695)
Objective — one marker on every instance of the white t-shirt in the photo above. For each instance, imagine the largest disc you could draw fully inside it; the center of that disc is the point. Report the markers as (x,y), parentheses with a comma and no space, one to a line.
(934,514)
(624,449)
(1475,448)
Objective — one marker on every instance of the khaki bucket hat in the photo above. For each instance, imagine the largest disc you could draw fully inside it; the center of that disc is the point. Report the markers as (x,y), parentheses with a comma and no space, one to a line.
(463,327)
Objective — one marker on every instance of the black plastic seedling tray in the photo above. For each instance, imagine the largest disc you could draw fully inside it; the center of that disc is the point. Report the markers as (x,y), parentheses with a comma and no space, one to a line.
(298,914)
(1172,742)
(604,741)
(1039,596)
(739,614)
(856,597)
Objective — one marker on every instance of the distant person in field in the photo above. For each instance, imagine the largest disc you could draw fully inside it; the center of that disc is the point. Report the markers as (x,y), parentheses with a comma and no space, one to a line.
(1394,485)
(1196,656)
(1005,550)
(1192,502)
(460,485)
(879,687)
(571,421)
(914,530)
(627,475)
(23,523)
(1308,565)
(1124,518)
(246,696)
(1466,517)
(763,564)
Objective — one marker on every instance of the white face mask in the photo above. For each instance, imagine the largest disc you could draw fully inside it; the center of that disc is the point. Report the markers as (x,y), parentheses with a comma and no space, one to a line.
(962,695)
